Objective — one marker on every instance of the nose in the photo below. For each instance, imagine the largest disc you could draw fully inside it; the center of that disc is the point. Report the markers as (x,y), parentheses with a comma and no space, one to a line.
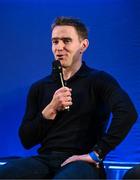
(60,46)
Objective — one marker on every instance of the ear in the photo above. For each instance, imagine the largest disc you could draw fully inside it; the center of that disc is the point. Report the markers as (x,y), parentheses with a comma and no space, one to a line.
(84,45)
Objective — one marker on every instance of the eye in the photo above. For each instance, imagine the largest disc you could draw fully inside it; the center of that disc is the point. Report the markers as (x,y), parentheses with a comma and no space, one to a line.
(66,41)
(54,41)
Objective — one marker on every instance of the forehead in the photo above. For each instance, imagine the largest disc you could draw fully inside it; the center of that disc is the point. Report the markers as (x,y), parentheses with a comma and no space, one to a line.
(64,31)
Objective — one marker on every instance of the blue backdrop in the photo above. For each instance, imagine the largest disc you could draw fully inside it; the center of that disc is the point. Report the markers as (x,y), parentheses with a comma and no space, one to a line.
(25,56)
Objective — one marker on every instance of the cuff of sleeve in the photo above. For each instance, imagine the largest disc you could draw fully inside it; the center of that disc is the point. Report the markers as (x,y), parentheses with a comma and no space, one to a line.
(101,150)
(44,119)
(95,157)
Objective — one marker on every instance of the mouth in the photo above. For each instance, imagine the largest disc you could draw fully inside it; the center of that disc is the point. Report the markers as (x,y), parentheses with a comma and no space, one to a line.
(60,56)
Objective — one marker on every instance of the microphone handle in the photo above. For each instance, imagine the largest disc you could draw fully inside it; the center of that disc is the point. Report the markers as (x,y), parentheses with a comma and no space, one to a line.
(61,78)
(63,85)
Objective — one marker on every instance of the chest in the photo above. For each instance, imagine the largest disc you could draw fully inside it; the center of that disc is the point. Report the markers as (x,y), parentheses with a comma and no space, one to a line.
(83,96)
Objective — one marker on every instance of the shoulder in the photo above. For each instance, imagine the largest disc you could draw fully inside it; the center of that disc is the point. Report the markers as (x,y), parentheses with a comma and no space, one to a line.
(99,74)
(39,84)
(102,78)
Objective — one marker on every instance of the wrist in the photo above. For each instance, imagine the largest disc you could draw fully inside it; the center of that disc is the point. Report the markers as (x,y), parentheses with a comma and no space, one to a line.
(49,112)
(94,155)
(99,151)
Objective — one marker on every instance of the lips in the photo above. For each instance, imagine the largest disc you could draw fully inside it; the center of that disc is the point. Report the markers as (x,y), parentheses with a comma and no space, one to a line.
(60,56)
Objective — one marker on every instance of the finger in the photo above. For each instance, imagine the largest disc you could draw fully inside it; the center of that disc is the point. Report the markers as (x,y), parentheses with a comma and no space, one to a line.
(65,89)
(97,165)
(67,94)
(65,101)
(68,99)
(66,162)
(60,94)
(64,106)
(67,104)
(69,160)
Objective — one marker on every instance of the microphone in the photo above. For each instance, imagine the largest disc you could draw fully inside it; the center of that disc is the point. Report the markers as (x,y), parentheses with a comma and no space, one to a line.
(57,68)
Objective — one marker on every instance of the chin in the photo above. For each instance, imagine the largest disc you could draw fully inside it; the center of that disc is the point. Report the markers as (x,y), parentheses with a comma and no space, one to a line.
(64,63)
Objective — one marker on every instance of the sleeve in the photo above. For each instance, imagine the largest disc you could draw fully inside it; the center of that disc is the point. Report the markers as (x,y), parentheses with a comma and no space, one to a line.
(33,127)
(123,113)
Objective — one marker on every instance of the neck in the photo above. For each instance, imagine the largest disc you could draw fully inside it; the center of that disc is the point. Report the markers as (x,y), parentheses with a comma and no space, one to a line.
(70,71)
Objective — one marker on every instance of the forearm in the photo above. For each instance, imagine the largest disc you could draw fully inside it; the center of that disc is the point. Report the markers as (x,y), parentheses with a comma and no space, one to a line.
(123,118)
(49,112)
(32,132)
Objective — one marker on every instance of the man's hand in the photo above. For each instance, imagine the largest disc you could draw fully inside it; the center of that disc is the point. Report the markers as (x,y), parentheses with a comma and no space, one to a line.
(84,157)
(61,99)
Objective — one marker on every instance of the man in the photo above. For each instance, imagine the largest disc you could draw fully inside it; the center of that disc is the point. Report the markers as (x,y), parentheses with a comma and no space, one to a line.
(69,122)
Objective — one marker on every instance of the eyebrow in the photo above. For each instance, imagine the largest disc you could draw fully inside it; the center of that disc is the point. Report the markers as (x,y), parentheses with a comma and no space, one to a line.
(63,38)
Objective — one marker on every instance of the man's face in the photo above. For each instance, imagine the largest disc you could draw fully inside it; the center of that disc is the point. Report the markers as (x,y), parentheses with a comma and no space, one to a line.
(66,45)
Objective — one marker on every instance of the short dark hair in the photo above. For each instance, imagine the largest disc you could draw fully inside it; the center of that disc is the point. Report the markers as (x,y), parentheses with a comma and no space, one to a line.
(76,23)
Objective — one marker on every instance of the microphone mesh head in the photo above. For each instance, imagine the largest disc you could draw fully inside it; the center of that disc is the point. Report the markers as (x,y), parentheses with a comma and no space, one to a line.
(56,65)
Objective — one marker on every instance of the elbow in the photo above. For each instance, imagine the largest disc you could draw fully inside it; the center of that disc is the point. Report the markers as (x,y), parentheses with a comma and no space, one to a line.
(26,146)
(134,115)
(24,139)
